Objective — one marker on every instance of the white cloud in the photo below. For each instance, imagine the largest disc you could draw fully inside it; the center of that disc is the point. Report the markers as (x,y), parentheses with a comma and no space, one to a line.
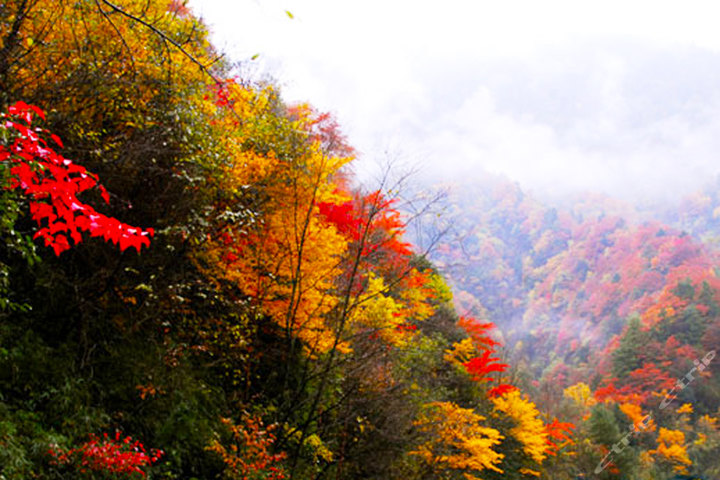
(621,96)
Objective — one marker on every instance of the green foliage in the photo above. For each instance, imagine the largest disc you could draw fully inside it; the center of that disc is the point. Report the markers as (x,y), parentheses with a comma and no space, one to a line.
(16,245)
(608,430)
(628,356)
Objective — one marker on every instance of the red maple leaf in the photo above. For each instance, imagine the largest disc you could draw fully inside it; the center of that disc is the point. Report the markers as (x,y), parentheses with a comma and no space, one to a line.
(53,182)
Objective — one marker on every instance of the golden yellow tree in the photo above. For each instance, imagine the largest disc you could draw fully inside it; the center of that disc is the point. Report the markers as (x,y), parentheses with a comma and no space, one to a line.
(581,394)
(457,441)
(288,260)
(530,430)
(94,63)
(671,449)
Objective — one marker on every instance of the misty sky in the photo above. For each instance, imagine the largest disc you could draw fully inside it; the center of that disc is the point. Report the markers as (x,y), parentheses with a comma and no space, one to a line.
(617,97)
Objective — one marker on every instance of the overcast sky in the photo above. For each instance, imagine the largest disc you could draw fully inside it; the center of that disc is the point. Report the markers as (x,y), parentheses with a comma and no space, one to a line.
(621,97)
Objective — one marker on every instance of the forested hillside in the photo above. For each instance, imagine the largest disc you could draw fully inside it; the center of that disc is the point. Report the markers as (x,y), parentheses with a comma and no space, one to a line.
(602,305)
(193,286)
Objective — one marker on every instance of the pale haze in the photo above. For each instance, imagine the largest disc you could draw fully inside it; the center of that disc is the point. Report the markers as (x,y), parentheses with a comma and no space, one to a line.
(560,96)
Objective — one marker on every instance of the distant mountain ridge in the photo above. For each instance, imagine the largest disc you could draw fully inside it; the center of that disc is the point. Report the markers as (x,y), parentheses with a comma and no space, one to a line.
(561,283)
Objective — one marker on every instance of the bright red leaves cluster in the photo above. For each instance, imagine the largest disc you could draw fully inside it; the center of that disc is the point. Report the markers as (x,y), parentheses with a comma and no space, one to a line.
(371,221)
(53,183)
(558,435)
(479,367)
(478,332)
(116,455)
(501,390)
(343,216)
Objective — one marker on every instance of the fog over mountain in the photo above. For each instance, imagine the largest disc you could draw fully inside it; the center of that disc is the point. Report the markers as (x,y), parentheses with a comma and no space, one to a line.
(621,118)
(561,99)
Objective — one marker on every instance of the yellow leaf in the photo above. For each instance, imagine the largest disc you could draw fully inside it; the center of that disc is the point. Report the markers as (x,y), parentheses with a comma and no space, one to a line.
(456,440)
(530,430)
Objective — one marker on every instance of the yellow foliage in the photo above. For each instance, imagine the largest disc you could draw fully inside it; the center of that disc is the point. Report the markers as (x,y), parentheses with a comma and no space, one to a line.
(581,394)
(686,408)
(318,447)
(461,352)
(671,448)
(456,440)
(391,315)
(243,165)
(528,471)
(102,66)
(530,430)
(671,436)
(292,277)
(289,262)
(415,296)
(708,421)
(312,444)
(440,288)
(379,312)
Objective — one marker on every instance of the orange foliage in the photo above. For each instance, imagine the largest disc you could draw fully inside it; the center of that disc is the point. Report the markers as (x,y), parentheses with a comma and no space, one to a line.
(288,262)
(634,413)
(558,436)
(671,448)
(478,332)
(247,455)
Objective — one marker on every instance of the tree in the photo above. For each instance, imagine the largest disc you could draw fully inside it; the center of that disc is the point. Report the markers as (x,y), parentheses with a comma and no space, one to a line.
(615,455)
(628,355)
(671,449)
(529,429)
(455,440)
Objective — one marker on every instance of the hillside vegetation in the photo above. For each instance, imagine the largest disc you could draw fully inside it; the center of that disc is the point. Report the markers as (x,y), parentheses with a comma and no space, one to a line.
(194,286)
(605,306)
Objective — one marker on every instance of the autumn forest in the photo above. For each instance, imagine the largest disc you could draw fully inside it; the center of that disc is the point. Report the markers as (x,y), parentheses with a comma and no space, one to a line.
(195,285)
